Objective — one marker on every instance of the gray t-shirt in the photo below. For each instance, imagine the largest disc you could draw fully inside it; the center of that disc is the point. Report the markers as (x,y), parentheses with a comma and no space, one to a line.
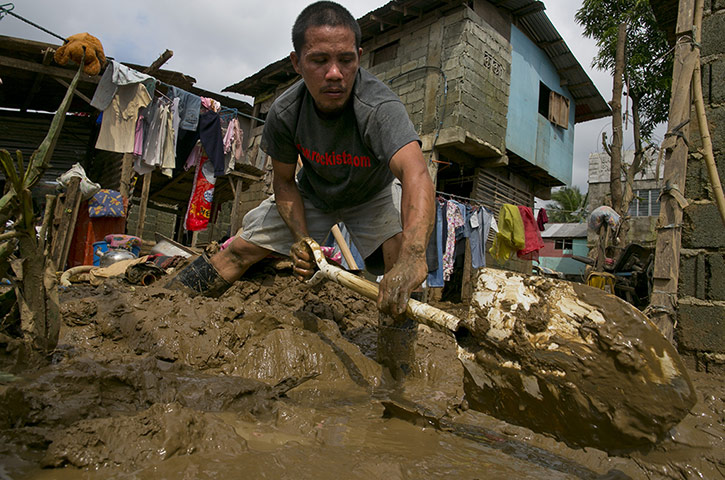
(345,159)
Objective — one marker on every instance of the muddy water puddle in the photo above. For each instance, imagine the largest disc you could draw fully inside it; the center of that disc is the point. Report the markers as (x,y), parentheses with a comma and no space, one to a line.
(277,380)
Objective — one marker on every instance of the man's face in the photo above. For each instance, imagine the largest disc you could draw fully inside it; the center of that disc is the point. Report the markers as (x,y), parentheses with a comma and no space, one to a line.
(328,64)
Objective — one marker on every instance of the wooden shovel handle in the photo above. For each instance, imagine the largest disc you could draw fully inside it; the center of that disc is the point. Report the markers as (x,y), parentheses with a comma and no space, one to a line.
(419,311)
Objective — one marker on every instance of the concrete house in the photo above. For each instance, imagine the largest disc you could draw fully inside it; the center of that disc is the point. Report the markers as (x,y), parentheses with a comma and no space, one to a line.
(645,207)
(562,241)
(491,87)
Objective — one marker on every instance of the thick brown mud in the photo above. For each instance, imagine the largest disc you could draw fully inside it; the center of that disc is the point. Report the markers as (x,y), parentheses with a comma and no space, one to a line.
(278,380)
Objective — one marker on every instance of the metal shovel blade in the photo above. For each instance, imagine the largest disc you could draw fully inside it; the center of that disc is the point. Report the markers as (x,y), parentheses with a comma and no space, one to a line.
(559,358)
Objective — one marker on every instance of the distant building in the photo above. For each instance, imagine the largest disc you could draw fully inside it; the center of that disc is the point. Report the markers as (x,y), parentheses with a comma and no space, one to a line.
(645,207)
(561,242)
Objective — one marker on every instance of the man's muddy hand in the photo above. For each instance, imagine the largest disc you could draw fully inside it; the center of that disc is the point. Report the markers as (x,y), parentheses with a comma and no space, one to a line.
(397,285)
(303,260)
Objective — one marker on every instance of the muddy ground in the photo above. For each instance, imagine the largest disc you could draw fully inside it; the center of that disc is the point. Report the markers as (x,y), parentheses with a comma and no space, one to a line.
(278,380)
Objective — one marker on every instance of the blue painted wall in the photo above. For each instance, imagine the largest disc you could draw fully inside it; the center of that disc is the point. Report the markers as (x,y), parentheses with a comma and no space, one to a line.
(529,134)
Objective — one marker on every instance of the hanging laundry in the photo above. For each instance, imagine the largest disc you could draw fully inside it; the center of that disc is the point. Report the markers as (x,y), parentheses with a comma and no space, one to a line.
(194,156)
(117,75)
(510,237)
(175,119)
(210,132)
(233,137)
(118,127)
(189,107)
(211,104)
(480,225)
(454,220)
(542,219)
(534,243)
(435,277)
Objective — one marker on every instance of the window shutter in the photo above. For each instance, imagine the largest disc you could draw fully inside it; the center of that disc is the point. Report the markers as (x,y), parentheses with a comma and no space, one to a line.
(558,110)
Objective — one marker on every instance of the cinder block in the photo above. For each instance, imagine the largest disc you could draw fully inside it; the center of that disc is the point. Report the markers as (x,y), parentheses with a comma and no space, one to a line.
(716,122)
(715,276)
(701,327)
(702,227)
(688,276)
(715,79)
(712,28)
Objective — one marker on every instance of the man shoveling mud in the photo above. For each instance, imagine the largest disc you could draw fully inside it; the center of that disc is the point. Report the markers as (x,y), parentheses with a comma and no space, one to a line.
(362,165)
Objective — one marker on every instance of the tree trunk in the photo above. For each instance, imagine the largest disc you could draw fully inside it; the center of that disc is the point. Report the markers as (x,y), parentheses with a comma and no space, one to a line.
(615,173)
(632,171)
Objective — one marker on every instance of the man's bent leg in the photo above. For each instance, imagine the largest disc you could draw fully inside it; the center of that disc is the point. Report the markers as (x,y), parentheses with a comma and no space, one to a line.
(233,261)
(213,276)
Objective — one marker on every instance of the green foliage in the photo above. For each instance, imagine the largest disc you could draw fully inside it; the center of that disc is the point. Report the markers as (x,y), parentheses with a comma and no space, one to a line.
(648,63)
(567,206)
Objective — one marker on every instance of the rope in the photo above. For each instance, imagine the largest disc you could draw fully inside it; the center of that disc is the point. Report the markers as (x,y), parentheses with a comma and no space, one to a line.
(6,11)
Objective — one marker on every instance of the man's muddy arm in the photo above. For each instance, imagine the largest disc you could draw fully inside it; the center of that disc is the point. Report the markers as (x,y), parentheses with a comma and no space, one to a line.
(292,210)
(418,216)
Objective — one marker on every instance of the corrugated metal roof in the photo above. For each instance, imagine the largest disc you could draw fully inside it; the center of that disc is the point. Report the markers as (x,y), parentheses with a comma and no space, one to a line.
(529,16)
(565,230)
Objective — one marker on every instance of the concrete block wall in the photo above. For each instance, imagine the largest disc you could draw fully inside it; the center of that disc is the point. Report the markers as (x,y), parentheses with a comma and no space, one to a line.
(476,60)
(413,50)
(700,329)
(156,221)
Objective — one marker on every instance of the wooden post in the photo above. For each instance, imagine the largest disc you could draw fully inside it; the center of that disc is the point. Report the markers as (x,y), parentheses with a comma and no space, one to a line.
(126,175)
(64,222)
(144,204)
(344,248)
(663,299)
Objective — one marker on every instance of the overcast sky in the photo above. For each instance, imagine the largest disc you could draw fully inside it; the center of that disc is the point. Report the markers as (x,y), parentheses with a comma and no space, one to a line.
(221,42)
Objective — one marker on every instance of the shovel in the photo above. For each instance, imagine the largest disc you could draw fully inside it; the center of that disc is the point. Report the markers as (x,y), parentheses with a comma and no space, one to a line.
(557,357)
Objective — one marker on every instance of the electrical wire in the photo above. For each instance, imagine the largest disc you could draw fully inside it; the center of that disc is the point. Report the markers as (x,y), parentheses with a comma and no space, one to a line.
(8,11)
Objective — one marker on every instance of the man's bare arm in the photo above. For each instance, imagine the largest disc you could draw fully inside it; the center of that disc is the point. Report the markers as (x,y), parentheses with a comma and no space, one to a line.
(418,217)
(292,210)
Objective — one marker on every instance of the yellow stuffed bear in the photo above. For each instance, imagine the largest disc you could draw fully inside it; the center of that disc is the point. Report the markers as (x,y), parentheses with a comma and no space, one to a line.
(72,49)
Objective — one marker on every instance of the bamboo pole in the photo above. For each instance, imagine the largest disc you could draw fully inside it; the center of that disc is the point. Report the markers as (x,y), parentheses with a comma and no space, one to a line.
(663,299)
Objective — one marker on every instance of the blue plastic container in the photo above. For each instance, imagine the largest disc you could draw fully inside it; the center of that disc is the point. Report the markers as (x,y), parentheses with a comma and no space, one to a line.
(99,248)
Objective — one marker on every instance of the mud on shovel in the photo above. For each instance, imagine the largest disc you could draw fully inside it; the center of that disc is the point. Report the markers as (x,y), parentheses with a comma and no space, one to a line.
(557,357)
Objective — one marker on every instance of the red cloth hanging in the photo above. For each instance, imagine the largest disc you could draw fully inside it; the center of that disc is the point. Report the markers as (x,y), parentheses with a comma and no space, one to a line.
(542,219)
(534,243)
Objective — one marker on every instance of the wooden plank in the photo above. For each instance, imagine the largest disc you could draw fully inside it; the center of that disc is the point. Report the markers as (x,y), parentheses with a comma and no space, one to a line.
(144,204)
(663,300)
(75,92)
(64,73)
(64,222)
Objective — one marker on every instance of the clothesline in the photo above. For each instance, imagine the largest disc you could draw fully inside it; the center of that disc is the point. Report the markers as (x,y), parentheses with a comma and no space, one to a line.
(467,199)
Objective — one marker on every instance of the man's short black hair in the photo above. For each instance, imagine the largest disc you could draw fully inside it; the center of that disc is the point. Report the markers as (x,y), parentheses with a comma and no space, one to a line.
(323,14)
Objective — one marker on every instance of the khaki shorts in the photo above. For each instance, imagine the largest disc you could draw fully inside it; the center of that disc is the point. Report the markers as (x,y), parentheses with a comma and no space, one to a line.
(369,224)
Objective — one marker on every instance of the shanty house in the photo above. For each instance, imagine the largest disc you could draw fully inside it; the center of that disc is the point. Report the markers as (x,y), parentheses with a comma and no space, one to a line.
(491,87)
(32,87)
(562,243)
